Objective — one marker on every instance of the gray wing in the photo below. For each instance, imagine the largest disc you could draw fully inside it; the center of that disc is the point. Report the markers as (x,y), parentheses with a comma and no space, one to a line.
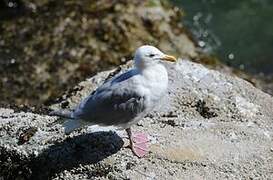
(115,103)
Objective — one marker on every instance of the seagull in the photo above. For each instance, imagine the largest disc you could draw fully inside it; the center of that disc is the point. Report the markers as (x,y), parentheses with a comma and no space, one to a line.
(125,99)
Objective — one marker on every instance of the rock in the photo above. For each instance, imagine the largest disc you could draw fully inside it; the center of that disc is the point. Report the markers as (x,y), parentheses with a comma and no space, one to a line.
(209,126)
(58,50)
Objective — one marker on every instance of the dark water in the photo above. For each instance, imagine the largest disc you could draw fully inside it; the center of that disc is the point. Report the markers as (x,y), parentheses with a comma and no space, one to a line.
(240,32)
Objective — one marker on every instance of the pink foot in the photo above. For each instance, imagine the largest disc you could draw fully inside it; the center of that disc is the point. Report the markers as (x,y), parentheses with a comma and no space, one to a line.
(139,144)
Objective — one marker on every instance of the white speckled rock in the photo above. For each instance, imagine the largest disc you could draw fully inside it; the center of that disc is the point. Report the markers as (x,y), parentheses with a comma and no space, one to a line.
(209,126)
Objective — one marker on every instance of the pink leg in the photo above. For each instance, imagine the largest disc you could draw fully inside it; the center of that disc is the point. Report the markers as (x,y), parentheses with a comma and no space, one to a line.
(138,143)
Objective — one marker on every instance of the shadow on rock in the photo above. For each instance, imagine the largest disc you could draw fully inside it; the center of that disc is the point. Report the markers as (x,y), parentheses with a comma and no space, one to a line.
(82,149)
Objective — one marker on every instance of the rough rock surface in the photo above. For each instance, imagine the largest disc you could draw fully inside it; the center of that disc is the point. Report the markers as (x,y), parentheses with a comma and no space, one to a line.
(56,44)
(209,126)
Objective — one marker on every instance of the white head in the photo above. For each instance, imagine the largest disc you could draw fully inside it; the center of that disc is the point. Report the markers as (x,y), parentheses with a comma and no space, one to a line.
(146,56)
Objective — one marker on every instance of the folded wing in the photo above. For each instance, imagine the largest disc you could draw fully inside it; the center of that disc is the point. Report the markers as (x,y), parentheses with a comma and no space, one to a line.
(114,103)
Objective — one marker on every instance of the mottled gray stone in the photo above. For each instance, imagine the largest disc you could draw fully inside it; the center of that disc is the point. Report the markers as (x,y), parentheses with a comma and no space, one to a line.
(209,126)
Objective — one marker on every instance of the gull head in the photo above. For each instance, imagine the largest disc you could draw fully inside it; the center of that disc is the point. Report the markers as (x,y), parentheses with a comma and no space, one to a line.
(146,56)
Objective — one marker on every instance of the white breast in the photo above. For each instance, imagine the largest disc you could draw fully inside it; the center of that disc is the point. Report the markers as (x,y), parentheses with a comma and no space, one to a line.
(154,83)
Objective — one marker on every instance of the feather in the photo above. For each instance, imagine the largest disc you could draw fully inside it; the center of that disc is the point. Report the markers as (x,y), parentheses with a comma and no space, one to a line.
(62,113)
(71,124)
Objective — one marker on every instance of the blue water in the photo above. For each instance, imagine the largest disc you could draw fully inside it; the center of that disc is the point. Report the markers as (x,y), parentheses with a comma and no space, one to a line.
(240,32)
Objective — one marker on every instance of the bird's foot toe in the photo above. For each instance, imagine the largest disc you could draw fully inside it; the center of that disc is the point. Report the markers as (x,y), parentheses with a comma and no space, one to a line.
(140,144)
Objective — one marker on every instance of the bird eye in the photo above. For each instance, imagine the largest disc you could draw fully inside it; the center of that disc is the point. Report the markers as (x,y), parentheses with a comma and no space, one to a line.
(151,55)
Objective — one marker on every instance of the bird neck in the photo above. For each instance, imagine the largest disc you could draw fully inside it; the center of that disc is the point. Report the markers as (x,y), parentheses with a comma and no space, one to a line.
(156,72)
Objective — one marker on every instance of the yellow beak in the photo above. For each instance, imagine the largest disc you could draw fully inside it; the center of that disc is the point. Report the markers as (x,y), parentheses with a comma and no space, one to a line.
(168,58)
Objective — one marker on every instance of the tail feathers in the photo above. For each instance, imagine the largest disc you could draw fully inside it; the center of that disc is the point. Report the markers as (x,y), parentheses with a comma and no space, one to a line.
(72,124)
(62,113)
(69,122)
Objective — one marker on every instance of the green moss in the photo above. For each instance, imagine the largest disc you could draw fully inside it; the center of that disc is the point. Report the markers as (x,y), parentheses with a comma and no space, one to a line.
(153,3)
(210,60)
